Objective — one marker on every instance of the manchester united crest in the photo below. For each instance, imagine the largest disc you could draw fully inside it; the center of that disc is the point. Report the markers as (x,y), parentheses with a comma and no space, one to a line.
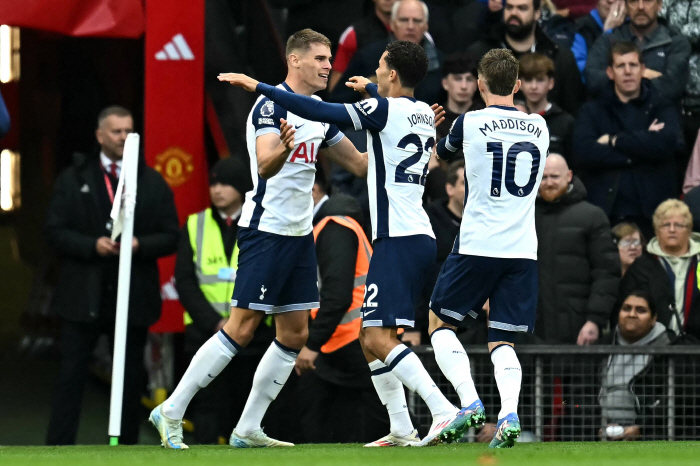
(175,165)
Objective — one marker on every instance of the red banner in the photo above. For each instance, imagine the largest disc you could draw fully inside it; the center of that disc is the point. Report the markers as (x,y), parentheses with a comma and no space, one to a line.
(96,18)
(174,120)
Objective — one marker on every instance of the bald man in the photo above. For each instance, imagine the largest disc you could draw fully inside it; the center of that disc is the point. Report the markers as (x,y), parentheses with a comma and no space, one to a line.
(579,265)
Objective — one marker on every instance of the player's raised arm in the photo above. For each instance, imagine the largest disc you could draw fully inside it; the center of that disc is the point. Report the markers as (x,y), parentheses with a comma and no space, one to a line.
(301,105)
(448,146)
(274,149)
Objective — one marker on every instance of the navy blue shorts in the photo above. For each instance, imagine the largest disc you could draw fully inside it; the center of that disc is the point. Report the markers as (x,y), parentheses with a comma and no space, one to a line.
(275,273)
(466,282)
(397,273)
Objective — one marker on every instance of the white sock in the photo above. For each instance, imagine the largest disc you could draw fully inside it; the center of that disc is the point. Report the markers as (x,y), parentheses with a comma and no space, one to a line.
(454,363)
(408,369)
(207,363)
(509,375)
(270,376)
(391,393)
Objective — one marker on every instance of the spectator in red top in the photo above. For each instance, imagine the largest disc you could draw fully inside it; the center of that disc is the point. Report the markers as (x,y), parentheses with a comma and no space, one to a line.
(371,28)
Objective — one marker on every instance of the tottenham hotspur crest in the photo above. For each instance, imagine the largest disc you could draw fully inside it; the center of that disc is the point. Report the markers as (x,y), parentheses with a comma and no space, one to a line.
(263,290)
(267,109)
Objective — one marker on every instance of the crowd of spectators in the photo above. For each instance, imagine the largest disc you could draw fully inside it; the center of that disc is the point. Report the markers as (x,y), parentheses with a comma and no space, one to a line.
(618,83)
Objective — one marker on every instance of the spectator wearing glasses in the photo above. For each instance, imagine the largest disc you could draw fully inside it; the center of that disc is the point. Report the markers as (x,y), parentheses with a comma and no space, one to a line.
(630,243)
(669,270)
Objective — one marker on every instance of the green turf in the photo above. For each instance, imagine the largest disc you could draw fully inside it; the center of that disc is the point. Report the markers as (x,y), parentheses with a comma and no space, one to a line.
(535,454)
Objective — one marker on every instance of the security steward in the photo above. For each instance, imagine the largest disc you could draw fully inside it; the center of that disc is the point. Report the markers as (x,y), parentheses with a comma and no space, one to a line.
(339,403)
(205,271)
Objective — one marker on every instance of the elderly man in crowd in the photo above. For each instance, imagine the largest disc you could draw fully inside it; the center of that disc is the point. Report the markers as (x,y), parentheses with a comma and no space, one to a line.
(579,267)
(664,51)
(629,395)
(625,143)
(409,21)
(669,272)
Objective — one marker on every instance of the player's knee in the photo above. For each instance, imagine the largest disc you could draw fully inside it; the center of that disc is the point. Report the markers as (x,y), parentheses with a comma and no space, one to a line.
(293,338)
(435,323)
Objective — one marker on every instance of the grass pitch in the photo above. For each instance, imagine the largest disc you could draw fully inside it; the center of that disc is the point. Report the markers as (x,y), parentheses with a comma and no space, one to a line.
(533,454)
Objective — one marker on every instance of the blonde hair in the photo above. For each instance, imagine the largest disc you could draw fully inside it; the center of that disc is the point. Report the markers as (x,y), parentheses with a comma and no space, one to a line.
(671,207)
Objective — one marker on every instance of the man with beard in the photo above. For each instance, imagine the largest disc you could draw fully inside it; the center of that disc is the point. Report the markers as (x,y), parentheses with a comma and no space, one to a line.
(520,33)
(665,53)
(578,263)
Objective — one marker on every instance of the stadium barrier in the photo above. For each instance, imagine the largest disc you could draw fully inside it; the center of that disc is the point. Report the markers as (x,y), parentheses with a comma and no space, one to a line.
(562,397)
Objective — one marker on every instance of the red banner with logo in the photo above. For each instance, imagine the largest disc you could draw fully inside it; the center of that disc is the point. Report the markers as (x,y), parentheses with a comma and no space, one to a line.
(95,18)
(174,120)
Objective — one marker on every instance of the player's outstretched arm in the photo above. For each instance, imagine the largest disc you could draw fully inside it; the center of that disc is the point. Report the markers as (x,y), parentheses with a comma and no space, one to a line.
(347,156)
(273,150)
(239,80)
(306,107)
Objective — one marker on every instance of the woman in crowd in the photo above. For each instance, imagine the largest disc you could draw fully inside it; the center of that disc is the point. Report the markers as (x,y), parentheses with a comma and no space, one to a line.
(630,243)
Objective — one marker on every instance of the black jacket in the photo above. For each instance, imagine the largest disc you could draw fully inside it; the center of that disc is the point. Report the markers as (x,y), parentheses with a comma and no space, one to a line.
(561,131)
(336,253)
(446,228)
(76,217)
(568,89)
(647,273)
(664,51)
(636,175)
(579,266)
(589,29)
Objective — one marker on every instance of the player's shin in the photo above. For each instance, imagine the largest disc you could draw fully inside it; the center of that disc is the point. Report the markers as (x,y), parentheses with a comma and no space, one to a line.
(454,363)
(270,376)
(207,363)
(508,374)
(410,371)
(392,395)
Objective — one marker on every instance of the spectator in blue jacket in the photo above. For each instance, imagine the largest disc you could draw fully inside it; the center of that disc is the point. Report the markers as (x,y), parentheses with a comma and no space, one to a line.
(625,143)
(4,118)
(608,15)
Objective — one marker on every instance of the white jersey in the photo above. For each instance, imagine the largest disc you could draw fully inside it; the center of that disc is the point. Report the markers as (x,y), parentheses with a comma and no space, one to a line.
(504,154)
(400,139)
(283,204)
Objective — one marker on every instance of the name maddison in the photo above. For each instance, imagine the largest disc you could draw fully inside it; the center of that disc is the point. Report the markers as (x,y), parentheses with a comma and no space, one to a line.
(519,125)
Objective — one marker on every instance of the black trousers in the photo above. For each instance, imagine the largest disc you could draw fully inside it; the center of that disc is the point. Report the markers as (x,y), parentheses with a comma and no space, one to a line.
(333,413)
(77,345)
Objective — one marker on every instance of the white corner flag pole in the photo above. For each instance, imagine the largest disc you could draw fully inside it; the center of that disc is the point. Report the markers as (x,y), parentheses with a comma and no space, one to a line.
(123,222)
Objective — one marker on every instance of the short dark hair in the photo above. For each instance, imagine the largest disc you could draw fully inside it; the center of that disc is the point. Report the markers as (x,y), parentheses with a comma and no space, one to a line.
(460,63)
(112,110)
(409,60)
(535,65)
(645,295)
(623,48)
(452,170)
(321,179)
(536,4)
(302,40)
(499,70)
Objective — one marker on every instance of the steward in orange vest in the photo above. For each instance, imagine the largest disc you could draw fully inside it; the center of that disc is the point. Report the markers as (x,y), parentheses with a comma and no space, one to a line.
(335,376)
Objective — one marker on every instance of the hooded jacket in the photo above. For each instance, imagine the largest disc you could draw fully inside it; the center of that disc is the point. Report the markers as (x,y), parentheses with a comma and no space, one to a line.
(672,283)
(578,263)
(636,175)
(624,397)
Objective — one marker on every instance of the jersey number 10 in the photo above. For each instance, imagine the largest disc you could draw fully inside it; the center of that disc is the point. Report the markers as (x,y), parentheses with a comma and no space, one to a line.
(511,159)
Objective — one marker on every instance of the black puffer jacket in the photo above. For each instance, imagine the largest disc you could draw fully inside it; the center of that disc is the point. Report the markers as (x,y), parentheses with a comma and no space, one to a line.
(579,266)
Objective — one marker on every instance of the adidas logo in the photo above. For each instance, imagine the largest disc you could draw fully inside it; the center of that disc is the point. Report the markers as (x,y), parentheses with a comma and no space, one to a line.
(176,49)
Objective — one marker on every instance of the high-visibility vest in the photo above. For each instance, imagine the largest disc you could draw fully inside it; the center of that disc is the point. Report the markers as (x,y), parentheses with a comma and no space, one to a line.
(349,328)
(209,257)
